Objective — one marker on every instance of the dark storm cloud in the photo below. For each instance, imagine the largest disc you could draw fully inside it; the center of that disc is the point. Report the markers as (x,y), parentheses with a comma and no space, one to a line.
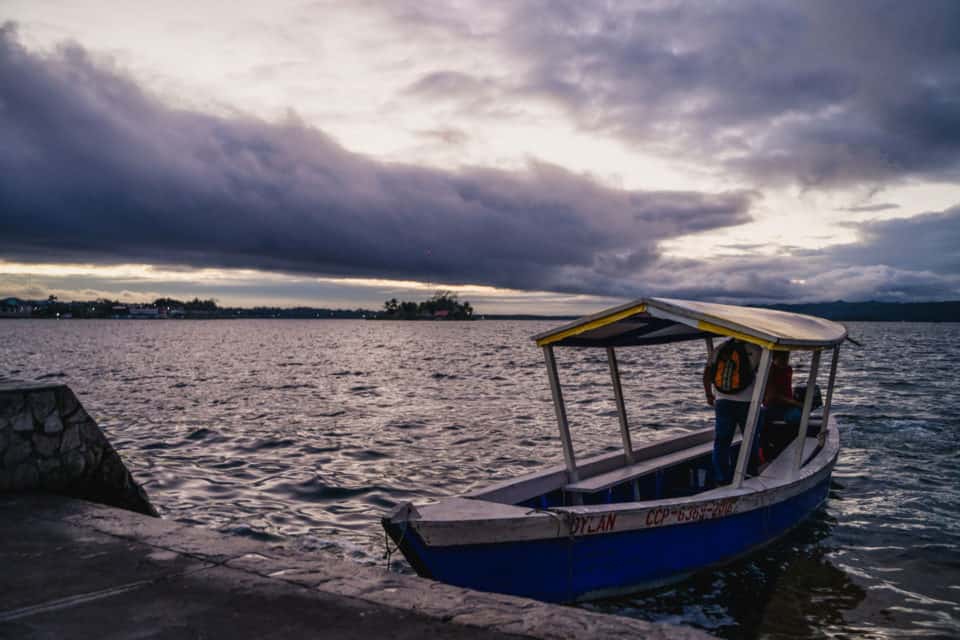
(928,242)
(795,279)
(93,169)
(901,259)
(821,93)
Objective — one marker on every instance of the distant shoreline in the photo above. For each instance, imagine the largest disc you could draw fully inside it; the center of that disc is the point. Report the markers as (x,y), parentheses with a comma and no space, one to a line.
(948,311)
(484,319)
(840,311)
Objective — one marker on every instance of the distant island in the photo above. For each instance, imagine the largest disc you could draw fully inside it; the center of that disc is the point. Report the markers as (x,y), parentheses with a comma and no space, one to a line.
(443,305)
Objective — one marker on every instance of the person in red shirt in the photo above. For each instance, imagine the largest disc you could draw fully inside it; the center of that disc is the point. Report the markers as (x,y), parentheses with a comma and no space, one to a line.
(780,406)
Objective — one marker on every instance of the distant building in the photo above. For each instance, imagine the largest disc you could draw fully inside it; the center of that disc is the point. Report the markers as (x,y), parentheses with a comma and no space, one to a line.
(171,312)
(15,308)
(145,313)
(441,313)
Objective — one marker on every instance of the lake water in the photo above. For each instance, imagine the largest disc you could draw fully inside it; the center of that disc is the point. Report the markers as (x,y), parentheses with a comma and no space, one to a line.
(308,431)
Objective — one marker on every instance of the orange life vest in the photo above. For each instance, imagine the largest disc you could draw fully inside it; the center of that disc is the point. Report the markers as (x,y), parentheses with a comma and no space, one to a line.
(732,370)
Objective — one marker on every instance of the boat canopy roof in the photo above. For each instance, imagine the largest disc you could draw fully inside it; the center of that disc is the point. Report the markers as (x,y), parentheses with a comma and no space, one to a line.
(661,320)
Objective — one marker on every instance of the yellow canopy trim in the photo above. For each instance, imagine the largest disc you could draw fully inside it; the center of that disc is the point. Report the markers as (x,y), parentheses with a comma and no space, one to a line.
(596,324)
(703,325)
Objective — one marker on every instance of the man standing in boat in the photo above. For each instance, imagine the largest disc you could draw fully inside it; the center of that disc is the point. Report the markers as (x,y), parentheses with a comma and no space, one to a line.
(728,381)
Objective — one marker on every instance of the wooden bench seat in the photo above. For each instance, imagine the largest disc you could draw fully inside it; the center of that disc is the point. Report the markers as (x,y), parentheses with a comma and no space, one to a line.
(814,422)
(630,472)
(620,475)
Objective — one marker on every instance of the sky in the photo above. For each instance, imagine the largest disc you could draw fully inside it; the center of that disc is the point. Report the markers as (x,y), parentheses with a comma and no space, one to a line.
(532,156)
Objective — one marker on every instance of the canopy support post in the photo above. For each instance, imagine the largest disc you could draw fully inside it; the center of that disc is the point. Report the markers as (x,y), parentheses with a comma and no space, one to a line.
(622,415)
(833,378)
(561,412)
(801,438)
(709,341)
(750,429)
(621,408)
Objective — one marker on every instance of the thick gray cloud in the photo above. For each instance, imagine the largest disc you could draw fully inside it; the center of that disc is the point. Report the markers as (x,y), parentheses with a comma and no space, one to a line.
(901,259)
(820,93)
(817,93)
(929,242)
(93,169)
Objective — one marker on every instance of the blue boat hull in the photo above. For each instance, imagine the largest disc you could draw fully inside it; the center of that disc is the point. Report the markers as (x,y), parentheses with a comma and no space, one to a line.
(588,567)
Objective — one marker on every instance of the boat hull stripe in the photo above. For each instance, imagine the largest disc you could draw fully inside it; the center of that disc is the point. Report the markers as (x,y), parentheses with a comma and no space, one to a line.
(586,567)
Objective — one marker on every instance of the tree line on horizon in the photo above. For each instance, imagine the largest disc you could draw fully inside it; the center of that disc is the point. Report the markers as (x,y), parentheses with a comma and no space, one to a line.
(446,303)
(53,307)
(442,305)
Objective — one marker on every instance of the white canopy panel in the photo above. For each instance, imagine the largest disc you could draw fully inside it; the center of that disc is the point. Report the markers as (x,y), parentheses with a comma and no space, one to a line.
(660,320)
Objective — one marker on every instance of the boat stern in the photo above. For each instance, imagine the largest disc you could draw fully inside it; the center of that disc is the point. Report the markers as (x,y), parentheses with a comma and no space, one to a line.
(398,526)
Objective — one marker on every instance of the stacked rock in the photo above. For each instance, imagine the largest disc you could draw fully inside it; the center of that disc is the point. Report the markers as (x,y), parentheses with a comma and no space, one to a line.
(49,443)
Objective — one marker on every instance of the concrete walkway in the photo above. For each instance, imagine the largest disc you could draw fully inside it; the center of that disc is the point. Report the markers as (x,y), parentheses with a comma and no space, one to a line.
(75,569)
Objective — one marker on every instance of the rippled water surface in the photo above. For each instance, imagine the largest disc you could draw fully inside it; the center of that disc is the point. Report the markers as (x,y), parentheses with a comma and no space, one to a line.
(308,431)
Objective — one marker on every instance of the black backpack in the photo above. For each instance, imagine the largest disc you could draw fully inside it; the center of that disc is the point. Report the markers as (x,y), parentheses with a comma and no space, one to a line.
(732,370)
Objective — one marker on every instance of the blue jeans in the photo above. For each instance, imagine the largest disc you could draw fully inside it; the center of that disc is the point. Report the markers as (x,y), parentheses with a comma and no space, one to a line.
(731,414)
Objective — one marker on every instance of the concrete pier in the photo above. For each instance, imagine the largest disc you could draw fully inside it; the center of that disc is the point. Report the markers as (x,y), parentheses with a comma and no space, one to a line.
(83,555)
(75,569)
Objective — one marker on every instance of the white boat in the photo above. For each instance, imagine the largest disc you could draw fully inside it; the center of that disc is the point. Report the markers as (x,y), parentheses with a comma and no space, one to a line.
(645,516)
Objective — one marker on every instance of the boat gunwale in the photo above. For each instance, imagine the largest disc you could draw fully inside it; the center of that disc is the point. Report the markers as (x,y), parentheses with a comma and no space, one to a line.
(552,523)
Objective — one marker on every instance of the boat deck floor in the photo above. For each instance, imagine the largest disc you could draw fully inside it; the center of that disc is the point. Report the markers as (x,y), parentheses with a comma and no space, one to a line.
(631,472)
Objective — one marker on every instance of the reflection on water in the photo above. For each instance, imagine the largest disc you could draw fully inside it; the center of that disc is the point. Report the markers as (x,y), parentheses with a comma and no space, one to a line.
(308,431)
(790,589)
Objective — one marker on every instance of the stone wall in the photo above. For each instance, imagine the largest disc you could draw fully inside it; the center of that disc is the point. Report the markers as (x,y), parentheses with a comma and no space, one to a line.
(49,443)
